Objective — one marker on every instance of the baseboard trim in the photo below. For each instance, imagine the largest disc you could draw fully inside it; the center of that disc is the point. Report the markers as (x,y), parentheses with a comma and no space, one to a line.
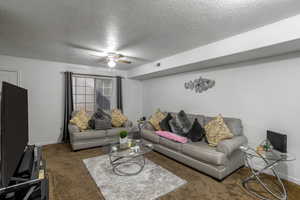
(290,178)
(45,143)
(283,176)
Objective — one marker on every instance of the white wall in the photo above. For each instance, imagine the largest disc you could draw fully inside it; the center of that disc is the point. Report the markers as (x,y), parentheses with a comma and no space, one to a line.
(264,94)
(44,81)
(132,99)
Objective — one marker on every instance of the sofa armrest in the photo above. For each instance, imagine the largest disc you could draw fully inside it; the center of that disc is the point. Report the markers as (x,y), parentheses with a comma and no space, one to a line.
(230,145)
(128,124)
(73,128)
(146,125)
(149,135)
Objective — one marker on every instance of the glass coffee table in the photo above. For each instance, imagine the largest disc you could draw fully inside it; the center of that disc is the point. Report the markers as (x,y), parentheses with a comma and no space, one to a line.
(270,159)
(128,159)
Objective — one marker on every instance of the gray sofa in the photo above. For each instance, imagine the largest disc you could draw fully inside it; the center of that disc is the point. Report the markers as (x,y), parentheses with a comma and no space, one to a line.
(93,138)
(217,162)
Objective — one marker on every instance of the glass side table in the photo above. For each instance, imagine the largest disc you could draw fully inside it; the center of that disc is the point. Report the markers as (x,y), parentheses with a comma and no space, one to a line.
(270,159)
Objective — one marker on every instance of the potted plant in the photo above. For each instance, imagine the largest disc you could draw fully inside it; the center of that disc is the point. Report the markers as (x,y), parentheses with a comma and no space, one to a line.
(123,137)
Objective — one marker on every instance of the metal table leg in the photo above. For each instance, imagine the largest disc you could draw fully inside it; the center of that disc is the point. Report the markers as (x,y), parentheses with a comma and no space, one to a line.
(255,176)
(119,162)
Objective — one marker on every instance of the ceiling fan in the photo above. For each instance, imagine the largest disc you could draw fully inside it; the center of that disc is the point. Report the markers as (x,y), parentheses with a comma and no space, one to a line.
(111,58)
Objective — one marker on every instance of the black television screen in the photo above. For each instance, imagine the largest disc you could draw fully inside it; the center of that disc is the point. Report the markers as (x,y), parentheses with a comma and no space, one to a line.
(14,129)
(278,141)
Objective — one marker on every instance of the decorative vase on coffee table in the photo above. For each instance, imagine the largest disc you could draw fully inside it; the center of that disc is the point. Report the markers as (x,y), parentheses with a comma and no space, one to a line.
(123,137)
(123,140)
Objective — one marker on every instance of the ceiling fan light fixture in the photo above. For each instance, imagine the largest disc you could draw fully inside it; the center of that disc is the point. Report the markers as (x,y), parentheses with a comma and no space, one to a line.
(111,63)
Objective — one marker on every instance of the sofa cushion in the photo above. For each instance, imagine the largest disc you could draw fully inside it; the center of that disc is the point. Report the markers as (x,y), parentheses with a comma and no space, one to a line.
(102,124)
(150,135)
(170,144)
(91,134)
(234,125)
(115,131)
(203,152)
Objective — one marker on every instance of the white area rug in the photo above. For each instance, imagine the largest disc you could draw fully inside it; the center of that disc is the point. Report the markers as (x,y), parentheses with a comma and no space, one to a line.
(153,182)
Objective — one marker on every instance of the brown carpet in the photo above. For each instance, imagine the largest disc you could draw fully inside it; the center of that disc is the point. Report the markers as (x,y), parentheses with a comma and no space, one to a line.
(70,180)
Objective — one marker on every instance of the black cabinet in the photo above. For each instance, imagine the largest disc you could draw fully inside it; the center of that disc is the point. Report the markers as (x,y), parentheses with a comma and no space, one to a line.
(32,183)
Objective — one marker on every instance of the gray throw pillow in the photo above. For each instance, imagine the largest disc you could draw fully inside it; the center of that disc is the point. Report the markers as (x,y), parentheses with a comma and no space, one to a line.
(175,127)
(102,124)
(99,114)
(184,121)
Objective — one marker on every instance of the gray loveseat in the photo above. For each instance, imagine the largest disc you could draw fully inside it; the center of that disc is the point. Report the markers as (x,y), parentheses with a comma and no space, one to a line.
(93,138)
(217,162)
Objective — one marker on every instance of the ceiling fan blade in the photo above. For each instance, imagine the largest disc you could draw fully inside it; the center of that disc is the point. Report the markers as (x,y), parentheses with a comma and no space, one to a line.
(77,46)
(138,59)
(98,54)
(121,56)
(124,61)
(102,60)
(90,51)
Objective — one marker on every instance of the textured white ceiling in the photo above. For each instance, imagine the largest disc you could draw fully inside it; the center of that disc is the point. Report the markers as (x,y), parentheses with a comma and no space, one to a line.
(148,29)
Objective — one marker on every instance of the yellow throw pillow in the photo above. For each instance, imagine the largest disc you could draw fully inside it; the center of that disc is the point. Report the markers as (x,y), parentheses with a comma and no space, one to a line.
(81,119)
(216,131)
(117,118)
(156,118)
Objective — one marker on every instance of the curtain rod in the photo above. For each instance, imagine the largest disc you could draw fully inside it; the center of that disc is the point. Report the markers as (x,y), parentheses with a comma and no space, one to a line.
(96,75)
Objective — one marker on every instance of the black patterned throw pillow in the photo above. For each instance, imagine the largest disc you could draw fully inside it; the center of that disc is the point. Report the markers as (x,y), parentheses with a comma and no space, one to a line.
(197,132)
(164,124)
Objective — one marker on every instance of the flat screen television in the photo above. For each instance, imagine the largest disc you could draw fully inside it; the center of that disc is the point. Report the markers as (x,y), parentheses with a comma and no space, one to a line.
(14,129)
(278,141)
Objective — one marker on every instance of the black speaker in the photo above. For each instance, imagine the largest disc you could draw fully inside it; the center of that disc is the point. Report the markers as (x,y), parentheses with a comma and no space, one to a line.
(278,141)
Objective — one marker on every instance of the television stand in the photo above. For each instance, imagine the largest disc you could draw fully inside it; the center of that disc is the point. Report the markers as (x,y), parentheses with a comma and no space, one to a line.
(30,181)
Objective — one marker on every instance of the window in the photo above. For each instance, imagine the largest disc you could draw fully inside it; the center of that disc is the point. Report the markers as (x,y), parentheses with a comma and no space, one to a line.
(90,93)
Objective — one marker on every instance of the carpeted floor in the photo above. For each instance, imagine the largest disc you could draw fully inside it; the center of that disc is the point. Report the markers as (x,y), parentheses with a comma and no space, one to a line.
(69,179)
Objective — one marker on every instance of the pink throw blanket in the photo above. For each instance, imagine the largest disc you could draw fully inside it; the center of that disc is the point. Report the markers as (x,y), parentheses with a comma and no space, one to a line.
(172,136)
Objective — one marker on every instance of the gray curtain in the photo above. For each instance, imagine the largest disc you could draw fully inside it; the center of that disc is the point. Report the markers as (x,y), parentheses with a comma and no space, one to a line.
(119,93)
(68,106)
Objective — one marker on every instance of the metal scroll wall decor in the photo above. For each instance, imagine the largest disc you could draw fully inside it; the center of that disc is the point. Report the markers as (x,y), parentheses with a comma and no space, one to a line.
(200,84)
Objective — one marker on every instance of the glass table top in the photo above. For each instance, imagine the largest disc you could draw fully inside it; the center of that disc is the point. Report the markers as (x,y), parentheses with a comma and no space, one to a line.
(130,149)
(269,155)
